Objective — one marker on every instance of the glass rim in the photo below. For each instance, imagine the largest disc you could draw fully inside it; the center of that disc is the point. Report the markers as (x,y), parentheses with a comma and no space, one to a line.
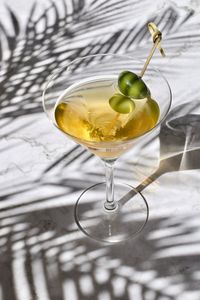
(102,144)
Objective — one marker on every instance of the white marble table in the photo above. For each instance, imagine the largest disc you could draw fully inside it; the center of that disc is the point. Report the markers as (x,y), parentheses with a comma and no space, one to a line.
(43,255)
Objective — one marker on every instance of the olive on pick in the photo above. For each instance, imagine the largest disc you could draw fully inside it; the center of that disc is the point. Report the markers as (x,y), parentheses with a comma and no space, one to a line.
(131,85)
(121,104)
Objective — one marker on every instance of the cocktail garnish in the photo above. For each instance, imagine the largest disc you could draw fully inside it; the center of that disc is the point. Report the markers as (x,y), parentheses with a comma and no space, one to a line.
(121,104)
(132,85)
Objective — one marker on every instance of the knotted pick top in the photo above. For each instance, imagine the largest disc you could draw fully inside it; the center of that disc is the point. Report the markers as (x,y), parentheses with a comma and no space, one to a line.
(157,37)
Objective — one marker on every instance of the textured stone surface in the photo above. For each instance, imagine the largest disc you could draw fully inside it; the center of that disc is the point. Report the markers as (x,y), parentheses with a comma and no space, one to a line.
(43,255)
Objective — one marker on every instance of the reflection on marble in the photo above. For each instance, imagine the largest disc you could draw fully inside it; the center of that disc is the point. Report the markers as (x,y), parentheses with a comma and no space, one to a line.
(43,255)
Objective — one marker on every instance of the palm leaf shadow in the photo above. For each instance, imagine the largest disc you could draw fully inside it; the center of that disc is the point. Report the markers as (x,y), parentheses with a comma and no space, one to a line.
(175,134)
(46,234)
(45,51)
(29,105)
(11,40)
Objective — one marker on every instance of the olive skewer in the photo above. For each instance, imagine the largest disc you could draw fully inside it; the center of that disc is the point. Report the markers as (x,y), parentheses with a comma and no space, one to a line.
(131,85)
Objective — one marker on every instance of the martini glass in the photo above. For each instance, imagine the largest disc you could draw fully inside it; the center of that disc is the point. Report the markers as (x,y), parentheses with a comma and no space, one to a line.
(73,100)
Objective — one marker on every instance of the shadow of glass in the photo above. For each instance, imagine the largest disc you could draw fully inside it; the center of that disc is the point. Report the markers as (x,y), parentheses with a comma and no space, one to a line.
(179,144)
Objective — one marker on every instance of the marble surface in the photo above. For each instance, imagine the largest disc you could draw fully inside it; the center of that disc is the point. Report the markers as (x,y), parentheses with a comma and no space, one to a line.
(43,255)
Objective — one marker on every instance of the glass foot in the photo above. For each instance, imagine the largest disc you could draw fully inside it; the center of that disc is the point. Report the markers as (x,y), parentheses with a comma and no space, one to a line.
(112,226)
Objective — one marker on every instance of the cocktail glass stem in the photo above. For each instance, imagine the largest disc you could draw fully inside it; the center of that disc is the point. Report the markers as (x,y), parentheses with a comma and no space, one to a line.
(110,203)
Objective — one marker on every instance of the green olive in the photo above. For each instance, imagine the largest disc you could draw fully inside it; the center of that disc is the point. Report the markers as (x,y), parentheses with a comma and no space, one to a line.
(131,85)
(121,104)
